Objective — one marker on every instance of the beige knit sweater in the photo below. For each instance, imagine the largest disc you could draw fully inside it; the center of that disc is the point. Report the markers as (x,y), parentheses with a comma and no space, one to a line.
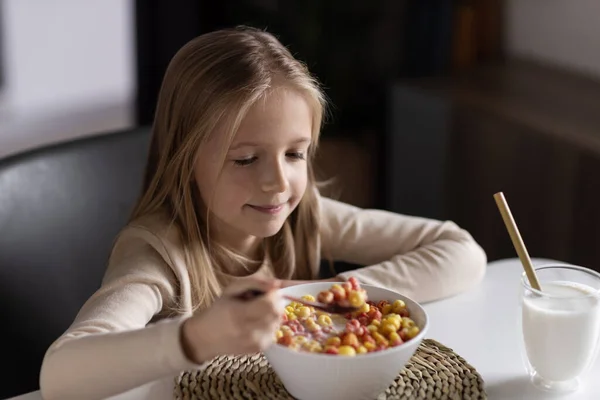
(122,339)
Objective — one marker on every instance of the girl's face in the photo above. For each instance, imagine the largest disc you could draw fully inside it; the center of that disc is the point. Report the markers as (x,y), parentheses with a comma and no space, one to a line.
(265,172)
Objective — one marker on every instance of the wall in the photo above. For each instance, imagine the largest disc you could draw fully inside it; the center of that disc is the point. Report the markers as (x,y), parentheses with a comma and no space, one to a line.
(69,70)
(69,63)
(562,32)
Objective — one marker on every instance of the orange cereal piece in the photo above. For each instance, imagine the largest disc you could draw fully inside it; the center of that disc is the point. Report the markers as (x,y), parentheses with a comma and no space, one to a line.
(325,296)
(347,287)
(350,339)
(338,292)
(382,303)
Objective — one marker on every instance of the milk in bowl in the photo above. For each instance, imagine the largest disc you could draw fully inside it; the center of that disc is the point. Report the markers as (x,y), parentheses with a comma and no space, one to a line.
(561,327)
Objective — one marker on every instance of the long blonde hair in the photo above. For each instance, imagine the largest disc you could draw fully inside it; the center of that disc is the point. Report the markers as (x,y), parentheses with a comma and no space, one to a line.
(212,82)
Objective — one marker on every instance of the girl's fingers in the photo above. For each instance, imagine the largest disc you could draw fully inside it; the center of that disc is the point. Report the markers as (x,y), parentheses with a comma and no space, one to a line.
(268,306)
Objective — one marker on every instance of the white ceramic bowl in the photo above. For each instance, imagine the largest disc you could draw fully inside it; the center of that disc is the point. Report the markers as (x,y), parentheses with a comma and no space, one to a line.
(309,376)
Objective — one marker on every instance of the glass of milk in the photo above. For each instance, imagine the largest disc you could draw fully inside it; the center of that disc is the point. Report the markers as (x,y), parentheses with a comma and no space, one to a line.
(560,325)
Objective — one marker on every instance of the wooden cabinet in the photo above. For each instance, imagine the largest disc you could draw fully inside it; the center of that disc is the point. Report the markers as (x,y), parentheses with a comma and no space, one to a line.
(533,133)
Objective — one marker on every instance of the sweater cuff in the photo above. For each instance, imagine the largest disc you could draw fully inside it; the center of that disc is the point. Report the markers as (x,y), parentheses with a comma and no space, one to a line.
(170,339)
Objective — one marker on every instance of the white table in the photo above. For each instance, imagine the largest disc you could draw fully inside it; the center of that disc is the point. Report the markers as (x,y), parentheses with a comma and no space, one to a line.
(480,325)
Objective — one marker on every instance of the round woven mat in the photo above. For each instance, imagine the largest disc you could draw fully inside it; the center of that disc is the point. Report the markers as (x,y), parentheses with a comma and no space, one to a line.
(434,372)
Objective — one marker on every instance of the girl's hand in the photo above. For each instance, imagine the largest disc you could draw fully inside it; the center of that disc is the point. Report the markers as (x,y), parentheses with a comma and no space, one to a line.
(234,327)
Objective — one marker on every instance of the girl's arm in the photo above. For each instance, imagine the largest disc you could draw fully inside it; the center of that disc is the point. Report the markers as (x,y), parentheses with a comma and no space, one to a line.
(421,258)
(292,282)
(108,349)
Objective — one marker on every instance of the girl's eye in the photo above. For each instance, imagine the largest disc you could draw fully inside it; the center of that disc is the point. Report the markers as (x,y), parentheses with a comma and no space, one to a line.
(297,155)
(244,161)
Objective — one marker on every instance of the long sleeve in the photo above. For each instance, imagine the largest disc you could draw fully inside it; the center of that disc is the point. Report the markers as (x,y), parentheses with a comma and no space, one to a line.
(421,258)
(111,347)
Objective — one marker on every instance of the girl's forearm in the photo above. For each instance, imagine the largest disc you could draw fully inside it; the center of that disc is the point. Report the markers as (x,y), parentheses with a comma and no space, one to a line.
(288,283)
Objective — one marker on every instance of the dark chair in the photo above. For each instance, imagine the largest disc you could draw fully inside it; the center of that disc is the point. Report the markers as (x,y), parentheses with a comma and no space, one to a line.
(61,207)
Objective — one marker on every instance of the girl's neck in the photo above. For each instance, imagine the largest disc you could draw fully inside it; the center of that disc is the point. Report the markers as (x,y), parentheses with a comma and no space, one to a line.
(247,246)
(236,262)
(250,247)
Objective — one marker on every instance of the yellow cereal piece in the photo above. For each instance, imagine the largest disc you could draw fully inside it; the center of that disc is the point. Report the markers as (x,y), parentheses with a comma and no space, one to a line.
(386,309)
(308,297)
(295,305)
(278,334)
(388,328)
(299,339)
(310,344)
(334,341)
(289,309)
(370,346)
(292,317)
(392,318)
(303,312)
(365,308)
(356,298)
(412,332)
(379,338)
(398,306)
(394,337)
(315,347)
(324,320)
(314,327)
(396,323)
(372,328)
(362,350)
(347,351)
(407,323)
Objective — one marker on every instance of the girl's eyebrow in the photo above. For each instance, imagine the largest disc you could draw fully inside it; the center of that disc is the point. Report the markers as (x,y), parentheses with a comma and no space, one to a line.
(236,146)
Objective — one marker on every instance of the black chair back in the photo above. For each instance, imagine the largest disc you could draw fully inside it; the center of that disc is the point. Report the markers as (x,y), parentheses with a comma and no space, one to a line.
(61,207)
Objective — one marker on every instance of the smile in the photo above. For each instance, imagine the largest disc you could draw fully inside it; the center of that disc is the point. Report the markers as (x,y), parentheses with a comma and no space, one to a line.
(268,209)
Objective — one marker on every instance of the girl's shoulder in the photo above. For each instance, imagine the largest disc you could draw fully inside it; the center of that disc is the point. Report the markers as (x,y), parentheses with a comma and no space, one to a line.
(156,227)
(157,232)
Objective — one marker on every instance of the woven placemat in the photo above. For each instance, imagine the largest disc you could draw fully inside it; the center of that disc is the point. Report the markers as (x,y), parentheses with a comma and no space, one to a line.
(434,372)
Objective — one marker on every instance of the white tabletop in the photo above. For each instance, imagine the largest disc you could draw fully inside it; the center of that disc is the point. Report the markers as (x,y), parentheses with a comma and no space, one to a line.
(480,325)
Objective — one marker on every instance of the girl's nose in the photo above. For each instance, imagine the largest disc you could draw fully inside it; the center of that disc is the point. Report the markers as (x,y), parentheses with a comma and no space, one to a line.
(274,178)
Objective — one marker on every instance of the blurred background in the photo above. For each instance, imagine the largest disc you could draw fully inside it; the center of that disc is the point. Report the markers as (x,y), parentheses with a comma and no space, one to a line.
(437,104)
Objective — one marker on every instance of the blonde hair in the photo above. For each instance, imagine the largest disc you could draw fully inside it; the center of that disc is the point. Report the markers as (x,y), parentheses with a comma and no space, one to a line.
(212,82)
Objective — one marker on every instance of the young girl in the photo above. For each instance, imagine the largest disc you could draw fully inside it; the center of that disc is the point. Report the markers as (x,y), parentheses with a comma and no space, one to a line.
(230,203)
